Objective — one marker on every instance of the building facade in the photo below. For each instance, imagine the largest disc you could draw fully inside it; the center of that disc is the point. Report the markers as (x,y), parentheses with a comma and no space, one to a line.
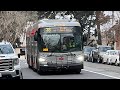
(115,36)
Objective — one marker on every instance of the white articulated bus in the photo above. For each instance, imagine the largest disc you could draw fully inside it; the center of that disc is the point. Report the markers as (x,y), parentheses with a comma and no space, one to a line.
(54,44)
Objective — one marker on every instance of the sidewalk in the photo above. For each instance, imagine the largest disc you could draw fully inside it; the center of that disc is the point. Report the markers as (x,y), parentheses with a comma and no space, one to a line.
(17,50)
(22,57)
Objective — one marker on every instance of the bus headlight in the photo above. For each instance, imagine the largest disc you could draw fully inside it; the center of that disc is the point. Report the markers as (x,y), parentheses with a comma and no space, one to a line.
(80,58)
(42,60)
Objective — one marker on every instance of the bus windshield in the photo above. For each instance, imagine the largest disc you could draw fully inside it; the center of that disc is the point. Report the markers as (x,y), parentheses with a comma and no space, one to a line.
(61,39)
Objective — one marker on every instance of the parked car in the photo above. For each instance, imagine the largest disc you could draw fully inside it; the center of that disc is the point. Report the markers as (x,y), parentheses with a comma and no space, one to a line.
(87,51)
(97,55)
(9,62)
(112,57)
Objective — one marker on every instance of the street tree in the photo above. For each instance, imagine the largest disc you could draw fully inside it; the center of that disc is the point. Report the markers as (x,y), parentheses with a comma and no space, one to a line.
(100,20)
(13,23)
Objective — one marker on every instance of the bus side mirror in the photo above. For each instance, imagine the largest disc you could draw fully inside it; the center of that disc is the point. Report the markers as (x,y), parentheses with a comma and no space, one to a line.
(36,36)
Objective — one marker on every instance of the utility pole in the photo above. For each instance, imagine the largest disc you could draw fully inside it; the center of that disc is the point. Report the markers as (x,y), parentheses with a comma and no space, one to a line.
(98,27)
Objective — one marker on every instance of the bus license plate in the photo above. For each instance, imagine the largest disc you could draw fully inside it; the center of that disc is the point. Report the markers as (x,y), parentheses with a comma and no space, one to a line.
(0,75)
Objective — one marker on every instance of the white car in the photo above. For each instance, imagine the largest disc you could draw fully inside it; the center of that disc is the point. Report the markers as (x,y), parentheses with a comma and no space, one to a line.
(112,56)
(9,62)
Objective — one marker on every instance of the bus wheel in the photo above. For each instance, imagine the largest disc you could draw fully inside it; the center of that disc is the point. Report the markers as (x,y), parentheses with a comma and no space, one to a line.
(93,60)
(39,70)
(29,66)
(98,60)
(116,64)
(78,71)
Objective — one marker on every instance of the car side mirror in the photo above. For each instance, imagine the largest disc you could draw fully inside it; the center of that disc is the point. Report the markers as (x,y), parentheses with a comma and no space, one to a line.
(18,55)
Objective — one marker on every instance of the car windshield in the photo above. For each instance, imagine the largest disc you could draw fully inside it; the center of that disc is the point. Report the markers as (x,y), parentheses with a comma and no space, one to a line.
(88,49)
(104,49)
(114,53)
(61,39)
(6,49)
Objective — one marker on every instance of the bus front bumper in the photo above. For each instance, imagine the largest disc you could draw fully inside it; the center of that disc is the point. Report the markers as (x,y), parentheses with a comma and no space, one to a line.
(61,67)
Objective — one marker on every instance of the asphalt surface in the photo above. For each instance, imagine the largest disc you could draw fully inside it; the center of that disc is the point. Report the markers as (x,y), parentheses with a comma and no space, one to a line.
(90,71)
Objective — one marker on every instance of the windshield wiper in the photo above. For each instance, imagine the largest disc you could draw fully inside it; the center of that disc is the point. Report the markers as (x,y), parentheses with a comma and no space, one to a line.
(52,51)
(70,53)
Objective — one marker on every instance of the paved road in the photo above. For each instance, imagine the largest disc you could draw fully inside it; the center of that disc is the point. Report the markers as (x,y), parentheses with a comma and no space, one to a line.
(91,71)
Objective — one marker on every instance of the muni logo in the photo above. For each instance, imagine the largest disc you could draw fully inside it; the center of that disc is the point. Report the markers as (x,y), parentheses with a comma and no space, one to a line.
(61,58)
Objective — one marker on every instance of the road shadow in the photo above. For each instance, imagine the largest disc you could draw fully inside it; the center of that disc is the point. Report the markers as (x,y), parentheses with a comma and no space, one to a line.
(60,73)
(50,73)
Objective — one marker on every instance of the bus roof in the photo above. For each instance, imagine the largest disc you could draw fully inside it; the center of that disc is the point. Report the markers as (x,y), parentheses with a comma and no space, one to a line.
(56,22)
(52,23)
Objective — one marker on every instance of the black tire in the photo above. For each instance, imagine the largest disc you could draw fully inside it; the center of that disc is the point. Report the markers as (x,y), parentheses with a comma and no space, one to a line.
(88,60)
(99,60)
(21,76)
(103,62)
(78,71)
(116,64)
(41,72)
(29,67)
(119,64)
(92,60)
(35,70)
(18,77)
(108,62)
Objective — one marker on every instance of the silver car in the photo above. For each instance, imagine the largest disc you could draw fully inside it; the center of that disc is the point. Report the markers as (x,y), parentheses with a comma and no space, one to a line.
(9,62)
(87,52)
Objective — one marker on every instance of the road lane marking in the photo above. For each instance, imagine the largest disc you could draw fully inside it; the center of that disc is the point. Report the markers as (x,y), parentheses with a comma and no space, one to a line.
(101,74)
